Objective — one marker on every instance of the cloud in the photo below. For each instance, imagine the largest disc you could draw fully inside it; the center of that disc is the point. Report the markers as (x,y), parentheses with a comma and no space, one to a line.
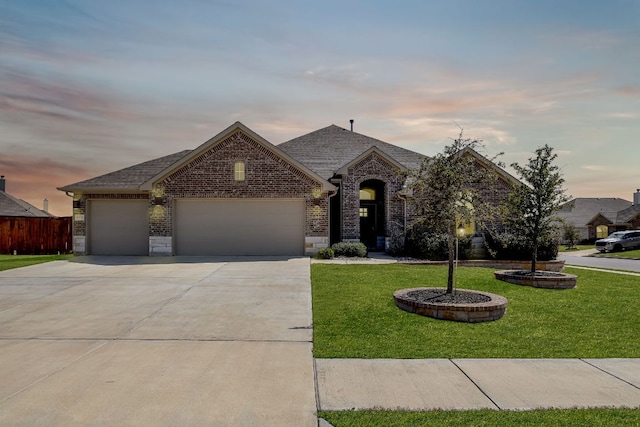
(33,179)
(633,91)
(595,168)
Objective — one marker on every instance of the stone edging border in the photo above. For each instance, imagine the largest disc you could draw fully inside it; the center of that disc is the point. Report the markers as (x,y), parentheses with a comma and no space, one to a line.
(470,313)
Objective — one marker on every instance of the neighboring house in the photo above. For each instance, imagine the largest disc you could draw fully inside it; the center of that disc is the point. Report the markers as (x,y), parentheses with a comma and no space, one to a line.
(596,218)
(13,207)
(238,194)
(25,229)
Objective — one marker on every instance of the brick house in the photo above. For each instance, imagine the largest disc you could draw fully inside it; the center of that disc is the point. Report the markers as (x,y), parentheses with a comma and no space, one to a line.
(238,194)
(597,217)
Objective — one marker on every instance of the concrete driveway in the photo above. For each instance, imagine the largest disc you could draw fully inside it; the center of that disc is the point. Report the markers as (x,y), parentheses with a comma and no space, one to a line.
(157,341)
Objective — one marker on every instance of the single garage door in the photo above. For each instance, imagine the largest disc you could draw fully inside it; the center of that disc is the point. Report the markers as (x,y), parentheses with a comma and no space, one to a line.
(118,227)
(240,227)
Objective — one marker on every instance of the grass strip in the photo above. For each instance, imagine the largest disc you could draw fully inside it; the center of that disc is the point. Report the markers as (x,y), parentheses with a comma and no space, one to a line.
(7,262)
(485,418)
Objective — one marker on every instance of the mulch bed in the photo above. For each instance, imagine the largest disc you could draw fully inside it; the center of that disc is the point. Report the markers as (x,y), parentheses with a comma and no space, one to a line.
(441,296)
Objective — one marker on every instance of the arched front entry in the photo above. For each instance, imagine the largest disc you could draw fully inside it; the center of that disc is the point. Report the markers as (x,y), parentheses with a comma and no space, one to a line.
(372,214)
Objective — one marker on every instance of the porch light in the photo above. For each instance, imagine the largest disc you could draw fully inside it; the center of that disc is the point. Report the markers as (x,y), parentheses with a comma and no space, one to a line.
(157,201)
(316,193)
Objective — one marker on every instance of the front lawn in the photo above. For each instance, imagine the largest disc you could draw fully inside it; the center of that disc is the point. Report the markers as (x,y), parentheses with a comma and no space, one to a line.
(355,316)
(555,418)
(8,262)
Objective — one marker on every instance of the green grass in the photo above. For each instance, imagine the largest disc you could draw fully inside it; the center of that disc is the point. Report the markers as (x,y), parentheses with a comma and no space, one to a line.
(634,254)
(8,262)
(486,418)
(355,316)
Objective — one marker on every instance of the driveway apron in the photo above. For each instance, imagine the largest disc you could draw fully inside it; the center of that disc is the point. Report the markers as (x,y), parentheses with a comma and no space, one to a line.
(157,341)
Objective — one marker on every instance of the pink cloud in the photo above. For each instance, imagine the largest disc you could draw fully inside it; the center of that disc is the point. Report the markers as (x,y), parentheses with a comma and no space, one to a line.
(33,179)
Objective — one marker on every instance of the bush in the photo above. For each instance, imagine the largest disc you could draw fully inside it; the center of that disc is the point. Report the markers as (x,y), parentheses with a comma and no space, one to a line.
(421,243)
(325,253)
(505,245)
(349,249)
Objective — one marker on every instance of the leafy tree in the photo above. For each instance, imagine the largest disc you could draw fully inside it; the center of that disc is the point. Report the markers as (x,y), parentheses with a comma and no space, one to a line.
(530,206)
(570,235)
(446,192)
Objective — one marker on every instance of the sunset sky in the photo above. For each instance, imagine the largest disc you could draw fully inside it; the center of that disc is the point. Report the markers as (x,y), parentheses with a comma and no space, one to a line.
(88,87)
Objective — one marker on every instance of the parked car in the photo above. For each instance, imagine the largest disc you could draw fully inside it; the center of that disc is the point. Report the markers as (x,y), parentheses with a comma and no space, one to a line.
(618,241)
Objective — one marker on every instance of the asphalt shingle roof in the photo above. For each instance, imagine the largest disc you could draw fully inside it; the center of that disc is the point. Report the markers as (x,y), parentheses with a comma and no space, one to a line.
(581,211)
(328,149)
(130,178)
(11,206)
(626,215)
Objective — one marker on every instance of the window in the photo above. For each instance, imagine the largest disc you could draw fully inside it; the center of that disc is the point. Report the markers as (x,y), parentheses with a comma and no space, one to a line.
(367,194)
(602,231)
(364,212)
(238,171)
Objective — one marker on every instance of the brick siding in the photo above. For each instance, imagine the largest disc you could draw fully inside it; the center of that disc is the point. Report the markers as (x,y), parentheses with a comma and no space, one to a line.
(372,167)
(211,176)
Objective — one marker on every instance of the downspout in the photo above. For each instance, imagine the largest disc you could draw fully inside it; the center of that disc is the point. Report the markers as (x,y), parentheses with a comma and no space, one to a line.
(404,199)
(73,223)
(329,209)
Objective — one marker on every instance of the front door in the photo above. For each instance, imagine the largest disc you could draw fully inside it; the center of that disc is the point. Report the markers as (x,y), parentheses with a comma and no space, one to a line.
(372,214)
(368,226)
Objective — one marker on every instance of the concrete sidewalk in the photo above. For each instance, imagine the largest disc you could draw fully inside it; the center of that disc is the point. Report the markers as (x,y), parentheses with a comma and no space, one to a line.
(458,384)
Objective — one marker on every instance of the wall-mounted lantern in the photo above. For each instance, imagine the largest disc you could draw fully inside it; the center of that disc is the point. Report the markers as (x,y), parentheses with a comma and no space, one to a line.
(157,201)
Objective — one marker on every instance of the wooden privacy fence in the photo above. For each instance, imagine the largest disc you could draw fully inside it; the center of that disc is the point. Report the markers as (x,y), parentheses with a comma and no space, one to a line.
(35,236)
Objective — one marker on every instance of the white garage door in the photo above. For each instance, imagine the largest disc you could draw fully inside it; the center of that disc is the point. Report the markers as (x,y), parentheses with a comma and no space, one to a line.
(240,227)
(118,227)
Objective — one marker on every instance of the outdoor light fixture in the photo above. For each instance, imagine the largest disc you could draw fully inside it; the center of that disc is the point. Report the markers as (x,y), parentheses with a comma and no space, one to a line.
(461,230)
(77,204)
(157,201)
(316,193)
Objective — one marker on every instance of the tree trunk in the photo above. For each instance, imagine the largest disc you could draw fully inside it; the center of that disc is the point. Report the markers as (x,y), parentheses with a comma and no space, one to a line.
(451,245)
(534,257)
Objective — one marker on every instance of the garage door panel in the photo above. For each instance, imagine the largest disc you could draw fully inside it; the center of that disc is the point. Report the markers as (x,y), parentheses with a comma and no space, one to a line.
(240,227)
(118,227)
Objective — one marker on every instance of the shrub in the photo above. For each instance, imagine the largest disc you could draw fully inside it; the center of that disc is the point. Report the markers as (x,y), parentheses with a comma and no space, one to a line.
(348,249)
(325,253)
(422,244)
(505,245)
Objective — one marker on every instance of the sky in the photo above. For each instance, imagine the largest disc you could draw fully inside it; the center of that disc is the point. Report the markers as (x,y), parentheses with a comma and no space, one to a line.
(88,87)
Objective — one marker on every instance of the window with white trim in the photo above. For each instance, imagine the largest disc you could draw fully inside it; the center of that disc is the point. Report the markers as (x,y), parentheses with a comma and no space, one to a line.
(239,171)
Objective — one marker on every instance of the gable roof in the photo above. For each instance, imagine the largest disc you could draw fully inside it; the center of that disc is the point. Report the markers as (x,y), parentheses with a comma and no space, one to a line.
(373,150)
(127,179)
(491,165)
(142,176)
(583,210)
(628,214)
(327,150)
(234,128)
(12,206)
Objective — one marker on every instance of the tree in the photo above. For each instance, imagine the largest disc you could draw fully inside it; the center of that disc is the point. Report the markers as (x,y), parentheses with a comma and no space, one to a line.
(446,192)
(531,205)
(570,235)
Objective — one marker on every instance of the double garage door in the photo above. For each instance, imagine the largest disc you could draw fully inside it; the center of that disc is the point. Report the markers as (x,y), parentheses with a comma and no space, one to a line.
(202,227)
